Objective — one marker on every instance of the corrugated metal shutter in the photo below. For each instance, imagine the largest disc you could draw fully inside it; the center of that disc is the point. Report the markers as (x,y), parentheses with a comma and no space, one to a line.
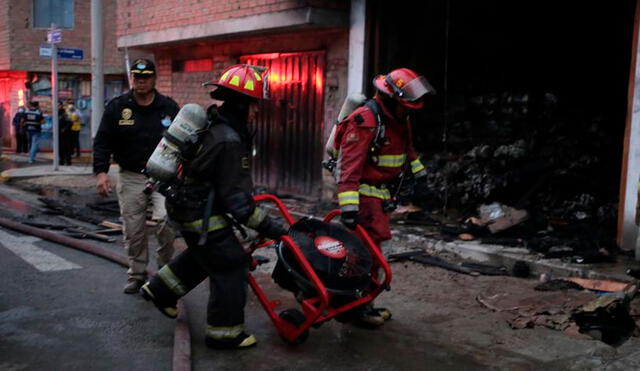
(289,126)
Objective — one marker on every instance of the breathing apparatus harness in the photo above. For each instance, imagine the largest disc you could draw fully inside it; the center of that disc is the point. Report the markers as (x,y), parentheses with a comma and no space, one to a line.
(376,143)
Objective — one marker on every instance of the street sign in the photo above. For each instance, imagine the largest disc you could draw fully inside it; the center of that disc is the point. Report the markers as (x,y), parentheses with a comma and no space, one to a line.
(63,53)
(54,36)
(69,53)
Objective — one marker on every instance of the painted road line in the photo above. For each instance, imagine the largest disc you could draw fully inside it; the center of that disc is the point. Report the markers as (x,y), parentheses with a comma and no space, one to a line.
(42,260)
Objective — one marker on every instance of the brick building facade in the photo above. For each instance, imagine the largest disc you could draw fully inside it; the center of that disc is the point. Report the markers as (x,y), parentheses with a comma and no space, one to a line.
(25,75)
(304,42)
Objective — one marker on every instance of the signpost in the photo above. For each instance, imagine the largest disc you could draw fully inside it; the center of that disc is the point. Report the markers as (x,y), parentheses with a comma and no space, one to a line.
(54,36)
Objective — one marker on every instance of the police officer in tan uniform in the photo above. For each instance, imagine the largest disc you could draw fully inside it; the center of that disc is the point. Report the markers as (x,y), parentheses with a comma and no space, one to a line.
(131,127)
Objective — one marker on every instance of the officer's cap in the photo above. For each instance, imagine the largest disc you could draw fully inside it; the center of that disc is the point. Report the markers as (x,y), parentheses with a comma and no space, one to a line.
(143,67)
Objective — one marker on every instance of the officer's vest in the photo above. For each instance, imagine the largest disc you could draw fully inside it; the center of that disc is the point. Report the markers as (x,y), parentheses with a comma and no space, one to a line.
(32,119)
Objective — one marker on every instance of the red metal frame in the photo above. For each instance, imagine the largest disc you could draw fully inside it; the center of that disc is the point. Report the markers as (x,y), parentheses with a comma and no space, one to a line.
(316,309)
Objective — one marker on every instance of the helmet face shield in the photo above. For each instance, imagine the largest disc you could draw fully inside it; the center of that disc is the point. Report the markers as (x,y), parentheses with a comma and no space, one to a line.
(416,88)
(404,85)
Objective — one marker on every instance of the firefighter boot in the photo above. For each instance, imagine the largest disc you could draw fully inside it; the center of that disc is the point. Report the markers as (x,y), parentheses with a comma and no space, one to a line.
(166,307)
(384,313)
(369,318)
(229,337)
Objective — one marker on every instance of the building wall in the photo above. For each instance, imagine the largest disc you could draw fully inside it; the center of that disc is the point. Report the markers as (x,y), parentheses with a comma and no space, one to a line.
(4,34)
(186,87)
(25,43)
(151,15)
(141,23)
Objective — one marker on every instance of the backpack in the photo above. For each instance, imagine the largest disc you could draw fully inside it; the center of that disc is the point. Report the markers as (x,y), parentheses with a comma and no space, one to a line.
(350,104)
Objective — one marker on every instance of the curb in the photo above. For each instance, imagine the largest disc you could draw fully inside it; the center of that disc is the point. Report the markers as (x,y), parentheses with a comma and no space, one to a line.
(507,256)
(33,172)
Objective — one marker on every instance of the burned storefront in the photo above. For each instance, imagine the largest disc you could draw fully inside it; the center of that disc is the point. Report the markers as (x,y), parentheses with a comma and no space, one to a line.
(530,113)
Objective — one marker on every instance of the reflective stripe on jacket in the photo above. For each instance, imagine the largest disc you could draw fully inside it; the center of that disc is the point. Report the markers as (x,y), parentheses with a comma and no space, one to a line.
(356,165)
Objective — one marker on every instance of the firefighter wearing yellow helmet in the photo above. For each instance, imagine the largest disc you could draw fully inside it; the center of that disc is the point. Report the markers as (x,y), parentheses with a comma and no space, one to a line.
(213,193)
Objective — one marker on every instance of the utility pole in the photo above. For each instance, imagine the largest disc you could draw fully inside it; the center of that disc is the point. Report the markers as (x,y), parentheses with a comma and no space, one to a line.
(97,67)
(54,37)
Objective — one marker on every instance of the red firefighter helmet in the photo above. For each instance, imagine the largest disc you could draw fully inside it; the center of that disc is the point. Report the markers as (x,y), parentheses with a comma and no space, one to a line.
(245,79)
(405,85)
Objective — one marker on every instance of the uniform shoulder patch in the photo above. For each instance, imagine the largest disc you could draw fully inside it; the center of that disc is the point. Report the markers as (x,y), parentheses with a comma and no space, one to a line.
(352,137)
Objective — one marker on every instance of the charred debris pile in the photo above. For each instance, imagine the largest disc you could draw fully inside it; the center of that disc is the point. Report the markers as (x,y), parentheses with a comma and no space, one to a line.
(547,171)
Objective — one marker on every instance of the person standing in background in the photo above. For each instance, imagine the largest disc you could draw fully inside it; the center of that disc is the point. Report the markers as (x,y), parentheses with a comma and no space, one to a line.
(32,123)
(64,138)
(21,136)
(76,126)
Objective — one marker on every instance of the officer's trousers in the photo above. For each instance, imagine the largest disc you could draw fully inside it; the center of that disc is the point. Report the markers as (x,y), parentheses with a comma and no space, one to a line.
(133,208)
(223,260)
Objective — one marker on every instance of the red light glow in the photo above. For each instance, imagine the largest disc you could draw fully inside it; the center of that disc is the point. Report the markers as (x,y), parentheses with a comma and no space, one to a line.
(319,80)
(198,65)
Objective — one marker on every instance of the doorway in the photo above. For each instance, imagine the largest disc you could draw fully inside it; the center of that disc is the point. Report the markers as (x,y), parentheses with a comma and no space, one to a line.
(288,130)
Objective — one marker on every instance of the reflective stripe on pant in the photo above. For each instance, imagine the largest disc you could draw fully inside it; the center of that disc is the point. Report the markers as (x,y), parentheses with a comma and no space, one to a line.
(224,332)
(374,220)
(178,277)
(133,208)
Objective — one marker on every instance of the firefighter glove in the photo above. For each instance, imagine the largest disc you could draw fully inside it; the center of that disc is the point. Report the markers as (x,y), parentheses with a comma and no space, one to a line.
(350,219)
(272,229)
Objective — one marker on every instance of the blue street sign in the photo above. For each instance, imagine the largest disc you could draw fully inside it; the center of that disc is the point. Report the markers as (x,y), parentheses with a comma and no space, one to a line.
(63,53)
(54,36)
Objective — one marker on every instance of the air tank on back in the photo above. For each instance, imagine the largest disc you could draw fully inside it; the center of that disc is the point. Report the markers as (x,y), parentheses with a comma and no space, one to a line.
(163,164)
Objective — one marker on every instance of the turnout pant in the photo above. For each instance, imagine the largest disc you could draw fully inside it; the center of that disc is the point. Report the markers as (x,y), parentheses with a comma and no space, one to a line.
(223,260)
(133,209)
(373,219)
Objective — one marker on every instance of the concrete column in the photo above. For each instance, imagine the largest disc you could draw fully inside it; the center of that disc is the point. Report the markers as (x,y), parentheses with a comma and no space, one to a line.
(97,66)
(631,162)
(356,47)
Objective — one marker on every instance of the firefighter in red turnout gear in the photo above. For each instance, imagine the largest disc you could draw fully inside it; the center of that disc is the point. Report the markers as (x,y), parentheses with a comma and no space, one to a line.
(369,158)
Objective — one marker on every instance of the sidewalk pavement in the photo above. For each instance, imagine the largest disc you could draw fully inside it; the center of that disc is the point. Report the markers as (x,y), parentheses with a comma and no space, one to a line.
(43,166)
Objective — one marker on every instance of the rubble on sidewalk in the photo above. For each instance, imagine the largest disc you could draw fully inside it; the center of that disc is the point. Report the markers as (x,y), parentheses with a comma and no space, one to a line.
(571,309)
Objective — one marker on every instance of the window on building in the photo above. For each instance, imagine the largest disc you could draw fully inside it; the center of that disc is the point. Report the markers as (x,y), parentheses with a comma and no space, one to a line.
(193,65)
(58,12)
